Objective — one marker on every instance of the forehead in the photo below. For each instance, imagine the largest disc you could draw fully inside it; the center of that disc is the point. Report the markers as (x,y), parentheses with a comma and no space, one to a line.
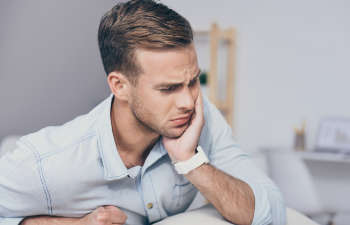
(176,65)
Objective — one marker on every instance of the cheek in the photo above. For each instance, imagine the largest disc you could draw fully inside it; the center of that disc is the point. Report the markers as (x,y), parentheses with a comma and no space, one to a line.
(166,107)
(159,105)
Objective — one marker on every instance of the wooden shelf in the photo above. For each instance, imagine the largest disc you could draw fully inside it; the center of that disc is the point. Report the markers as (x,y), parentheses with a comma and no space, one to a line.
(216,36)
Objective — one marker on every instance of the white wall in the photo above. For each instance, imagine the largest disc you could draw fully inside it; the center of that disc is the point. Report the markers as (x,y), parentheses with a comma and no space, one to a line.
(292,62)
(50,69)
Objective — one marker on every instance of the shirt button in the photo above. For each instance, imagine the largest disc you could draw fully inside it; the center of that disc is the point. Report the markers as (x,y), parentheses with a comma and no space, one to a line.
(149,205)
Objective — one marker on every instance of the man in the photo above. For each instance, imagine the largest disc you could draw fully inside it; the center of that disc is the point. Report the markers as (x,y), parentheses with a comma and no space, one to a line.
(141,155)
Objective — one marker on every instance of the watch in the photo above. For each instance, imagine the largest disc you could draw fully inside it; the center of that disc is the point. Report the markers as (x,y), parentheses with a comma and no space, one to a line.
(195,161)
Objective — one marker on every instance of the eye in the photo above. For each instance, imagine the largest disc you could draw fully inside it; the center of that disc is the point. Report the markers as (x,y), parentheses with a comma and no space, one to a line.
(169,89)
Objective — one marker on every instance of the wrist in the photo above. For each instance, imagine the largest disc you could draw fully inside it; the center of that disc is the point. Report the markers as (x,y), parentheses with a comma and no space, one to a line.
(32,220)
(197,159)
(199,170)
(183,157)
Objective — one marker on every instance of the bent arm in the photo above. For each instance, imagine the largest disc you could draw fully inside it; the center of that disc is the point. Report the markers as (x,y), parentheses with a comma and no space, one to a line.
(236,176)
(233,198)
(247,198)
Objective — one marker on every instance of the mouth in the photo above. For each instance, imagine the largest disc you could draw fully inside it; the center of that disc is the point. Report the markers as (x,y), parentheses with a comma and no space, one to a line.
(181,121)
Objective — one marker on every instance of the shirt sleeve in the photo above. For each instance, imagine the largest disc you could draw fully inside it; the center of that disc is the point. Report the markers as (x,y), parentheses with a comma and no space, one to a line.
(21,186)
(226,155)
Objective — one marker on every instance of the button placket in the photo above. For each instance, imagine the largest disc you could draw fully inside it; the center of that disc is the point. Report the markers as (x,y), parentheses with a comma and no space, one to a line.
(150,199)
(149,205)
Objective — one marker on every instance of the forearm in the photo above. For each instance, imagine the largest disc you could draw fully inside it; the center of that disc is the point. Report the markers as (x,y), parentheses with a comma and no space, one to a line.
(48,220)
(103,215)
(233,198)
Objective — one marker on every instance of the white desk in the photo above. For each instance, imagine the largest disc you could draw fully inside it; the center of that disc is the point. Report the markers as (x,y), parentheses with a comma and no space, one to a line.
(327,157)
(312,155)
(330,173)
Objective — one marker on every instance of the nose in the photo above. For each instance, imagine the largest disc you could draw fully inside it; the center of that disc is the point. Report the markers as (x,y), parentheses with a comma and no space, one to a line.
(185,100)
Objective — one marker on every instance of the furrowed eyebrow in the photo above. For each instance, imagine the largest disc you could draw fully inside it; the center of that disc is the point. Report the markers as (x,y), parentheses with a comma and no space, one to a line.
(164,85)
(196,77)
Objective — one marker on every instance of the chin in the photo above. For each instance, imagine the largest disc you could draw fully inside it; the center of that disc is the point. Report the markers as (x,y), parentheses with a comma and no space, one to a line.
(175,132)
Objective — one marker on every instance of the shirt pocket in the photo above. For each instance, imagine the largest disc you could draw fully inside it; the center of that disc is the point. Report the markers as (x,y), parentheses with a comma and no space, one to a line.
(183,187)
(182,195)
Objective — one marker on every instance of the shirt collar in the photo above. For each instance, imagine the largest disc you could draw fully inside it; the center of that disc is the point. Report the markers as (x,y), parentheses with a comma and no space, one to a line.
(114,167)
(157,152)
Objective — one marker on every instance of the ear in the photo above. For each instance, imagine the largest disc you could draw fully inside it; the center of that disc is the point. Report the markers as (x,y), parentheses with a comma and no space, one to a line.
(119,85)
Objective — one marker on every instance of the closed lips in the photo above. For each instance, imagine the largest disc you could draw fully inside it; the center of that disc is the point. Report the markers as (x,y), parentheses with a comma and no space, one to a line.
(181,120)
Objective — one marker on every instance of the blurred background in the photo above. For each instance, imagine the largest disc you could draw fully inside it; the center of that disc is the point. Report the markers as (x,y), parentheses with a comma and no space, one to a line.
(291,68)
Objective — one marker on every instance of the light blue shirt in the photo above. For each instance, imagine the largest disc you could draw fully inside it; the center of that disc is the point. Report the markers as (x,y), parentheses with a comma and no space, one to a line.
(72,169)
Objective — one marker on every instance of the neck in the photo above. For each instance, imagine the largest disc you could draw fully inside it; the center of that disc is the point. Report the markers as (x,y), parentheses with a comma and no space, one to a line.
(133,140)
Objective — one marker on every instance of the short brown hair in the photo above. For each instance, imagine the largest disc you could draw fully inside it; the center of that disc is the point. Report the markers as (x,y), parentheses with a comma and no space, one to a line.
(139,24)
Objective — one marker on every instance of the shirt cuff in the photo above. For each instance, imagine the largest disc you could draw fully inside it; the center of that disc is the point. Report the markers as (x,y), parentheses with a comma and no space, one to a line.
(11,221)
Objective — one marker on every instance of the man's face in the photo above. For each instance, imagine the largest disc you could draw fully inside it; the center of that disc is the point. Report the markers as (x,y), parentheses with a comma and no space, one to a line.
(164,97)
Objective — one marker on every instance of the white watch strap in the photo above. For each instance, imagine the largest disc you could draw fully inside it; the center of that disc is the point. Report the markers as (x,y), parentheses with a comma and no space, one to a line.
(195,161)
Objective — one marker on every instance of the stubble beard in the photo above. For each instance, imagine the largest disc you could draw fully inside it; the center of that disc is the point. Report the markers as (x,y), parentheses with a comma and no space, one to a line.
(142,118)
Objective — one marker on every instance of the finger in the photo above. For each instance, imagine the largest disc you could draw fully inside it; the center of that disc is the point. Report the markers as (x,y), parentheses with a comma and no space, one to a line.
(101,215)
(198,114)
(116,215)
(199,102)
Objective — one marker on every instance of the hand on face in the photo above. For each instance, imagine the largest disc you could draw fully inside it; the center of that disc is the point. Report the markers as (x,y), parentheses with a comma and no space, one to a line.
(183,147)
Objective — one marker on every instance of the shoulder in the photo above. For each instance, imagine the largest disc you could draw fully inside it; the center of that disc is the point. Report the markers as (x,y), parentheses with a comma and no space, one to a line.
(57,138)
(53,137)
(216,131)
(214,120)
